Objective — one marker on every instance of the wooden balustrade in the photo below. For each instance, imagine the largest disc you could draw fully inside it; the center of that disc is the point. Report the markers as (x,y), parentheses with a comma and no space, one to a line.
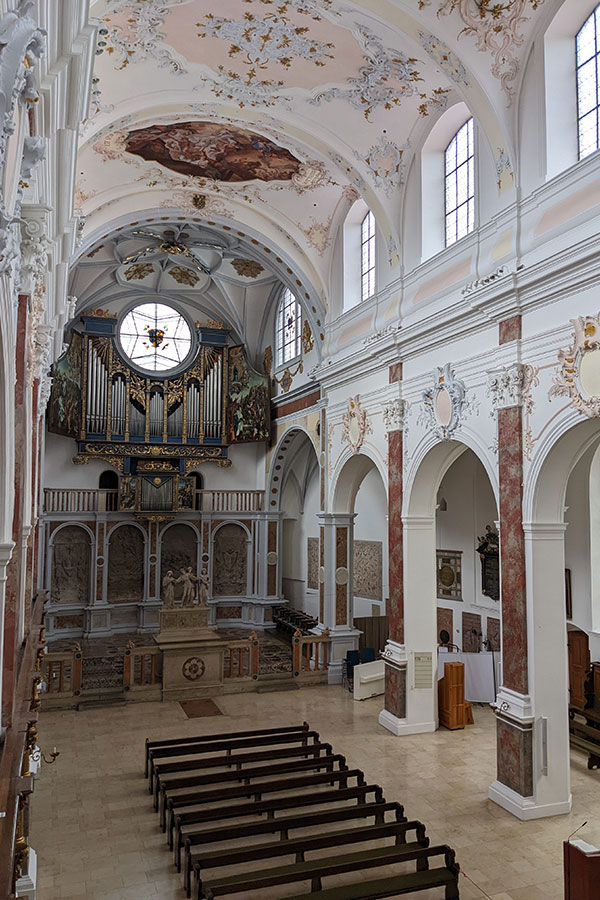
(142,668)
(310,654)
(59,673)
(242,658)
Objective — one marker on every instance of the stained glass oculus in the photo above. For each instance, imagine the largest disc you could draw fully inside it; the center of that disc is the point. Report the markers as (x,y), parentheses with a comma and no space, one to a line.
(155,337)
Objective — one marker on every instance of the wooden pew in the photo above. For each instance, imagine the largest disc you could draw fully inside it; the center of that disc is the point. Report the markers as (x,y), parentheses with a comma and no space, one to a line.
(586,736)
(177,779)
(228,746)
(446,876)
(300,846)
(315,870)
(153,746)
(359,793)
(301,765)
(284,824)
(258,788)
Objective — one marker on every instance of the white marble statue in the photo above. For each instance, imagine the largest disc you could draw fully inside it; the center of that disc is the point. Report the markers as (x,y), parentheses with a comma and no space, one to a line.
(189,581)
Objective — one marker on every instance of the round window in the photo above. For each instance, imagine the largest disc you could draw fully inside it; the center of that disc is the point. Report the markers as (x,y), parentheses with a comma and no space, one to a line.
(155,337)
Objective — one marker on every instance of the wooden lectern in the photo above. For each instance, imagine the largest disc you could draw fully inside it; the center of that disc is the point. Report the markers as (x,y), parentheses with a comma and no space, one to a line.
(582,870)
(451,696)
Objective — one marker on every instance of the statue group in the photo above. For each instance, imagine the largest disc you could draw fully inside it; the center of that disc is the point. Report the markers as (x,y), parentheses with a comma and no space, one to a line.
(192,585)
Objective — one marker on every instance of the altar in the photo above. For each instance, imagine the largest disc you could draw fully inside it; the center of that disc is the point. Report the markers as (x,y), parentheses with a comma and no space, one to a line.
(479,673)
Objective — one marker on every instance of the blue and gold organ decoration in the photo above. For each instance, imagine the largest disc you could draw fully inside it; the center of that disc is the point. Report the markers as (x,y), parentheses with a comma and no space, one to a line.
(156,423)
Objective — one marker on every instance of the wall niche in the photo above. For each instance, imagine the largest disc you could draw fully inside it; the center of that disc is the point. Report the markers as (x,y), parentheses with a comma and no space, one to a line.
(230,561)
(71,566)
(178,551)
(125,565)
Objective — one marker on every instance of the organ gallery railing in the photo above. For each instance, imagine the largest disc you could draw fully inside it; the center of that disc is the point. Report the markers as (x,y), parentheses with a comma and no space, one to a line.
(75,500)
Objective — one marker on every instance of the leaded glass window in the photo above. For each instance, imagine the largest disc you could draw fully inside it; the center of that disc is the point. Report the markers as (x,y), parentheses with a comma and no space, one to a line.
(367,259)
(588,93)
(155,337)
(459,184)
(288,329)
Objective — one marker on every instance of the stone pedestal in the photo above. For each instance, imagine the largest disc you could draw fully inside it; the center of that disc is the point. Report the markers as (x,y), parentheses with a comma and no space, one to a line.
(192,655)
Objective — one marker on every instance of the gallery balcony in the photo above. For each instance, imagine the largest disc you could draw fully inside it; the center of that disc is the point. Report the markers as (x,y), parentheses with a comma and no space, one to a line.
(79,500)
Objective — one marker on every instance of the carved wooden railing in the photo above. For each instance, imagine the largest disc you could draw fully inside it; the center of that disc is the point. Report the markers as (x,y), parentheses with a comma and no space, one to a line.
(80,500)
(242,658)
(16,780)
(230,501)
(310,654)
(142,668)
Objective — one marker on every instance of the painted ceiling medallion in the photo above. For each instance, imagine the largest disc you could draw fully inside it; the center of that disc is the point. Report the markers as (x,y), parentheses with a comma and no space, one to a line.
(213,150)
(356,424)
(184,276)
(579,374)
(247,268)
(138,271)
(444,403)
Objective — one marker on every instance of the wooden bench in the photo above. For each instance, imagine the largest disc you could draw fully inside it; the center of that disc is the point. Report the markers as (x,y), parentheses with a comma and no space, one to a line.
(317,869)
(359,793)
(301,765)
(284,824)
(229,747)
(446,876)
(258,788)
(176,780)
(152,746)
(585,737)
(300,846)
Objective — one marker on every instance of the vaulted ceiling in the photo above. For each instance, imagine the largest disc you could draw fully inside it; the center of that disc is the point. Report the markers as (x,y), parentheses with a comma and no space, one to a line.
(269,118)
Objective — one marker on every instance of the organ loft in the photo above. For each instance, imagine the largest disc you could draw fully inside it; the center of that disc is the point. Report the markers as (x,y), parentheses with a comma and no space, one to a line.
(300,449)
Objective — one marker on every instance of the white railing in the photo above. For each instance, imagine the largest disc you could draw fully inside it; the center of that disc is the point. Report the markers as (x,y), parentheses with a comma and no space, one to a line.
(79,500)
(75,500)
(230,501)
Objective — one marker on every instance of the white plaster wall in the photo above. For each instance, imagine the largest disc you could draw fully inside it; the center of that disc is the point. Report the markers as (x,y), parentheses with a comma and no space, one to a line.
(299,523)
(470,507)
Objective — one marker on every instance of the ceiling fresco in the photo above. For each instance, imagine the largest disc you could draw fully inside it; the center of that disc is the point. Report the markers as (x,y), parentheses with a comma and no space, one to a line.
(274,116)
(212,150)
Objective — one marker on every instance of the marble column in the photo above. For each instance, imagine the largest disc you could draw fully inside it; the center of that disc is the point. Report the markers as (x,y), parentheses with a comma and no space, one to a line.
(394,712)
(514,785)
(13,597)
(336,577)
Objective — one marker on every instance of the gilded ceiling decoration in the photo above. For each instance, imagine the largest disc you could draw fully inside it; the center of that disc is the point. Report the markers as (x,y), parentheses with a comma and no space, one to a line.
(138,271)
(247,268)
(212,150)
(308,342)
(184,276)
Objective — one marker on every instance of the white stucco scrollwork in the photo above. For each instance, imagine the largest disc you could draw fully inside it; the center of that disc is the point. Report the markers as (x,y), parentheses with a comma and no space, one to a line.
(444,403)
(356,424)
(394,413)
(578,374)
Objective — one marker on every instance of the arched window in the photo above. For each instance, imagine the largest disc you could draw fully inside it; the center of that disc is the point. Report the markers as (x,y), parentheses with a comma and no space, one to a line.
(288,329)
(588,85)
(459,183)
(367,257)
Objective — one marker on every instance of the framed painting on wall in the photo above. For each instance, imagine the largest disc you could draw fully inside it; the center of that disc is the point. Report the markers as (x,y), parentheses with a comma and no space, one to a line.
(449,574)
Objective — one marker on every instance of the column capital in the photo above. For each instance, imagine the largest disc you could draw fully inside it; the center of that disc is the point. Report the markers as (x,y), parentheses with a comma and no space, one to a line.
(395,653)
(394,413)
(336,518)
(505,386)
(6,553)
(549,531)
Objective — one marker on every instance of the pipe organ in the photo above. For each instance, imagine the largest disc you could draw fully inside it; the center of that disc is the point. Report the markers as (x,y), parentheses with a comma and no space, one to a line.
(143,422)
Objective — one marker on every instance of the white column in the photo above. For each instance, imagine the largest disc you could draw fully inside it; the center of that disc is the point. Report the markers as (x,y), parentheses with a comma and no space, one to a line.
(344,636)
(419,652)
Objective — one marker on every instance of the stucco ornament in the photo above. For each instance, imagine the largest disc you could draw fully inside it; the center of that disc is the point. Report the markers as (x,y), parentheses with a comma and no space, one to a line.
(578,375)
(21,44)
(444,403)
(505,388)
(356,424)
(394,413)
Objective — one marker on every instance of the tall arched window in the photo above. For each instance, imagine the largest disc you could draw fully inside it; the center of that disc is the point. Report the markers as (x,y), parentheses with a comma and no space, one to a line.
(588,84)
(367,258)
(459,184)
(288,329)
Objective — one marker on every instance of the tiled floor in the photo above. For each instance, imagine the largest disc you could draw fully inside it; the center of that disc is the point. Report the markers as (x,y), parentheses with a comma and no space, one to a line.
(96,835)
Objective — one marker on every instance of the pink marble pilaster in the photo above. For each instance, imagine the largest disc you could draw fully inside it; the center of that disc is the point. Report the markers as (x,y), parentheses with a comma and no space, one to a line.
(512,549)
(395,550)
(509,330)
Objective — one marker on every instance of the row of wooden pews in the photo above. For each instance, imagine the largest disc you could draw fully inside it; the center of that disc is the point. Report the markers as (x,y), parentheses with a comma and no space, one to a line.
(290,620)
(272,807)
